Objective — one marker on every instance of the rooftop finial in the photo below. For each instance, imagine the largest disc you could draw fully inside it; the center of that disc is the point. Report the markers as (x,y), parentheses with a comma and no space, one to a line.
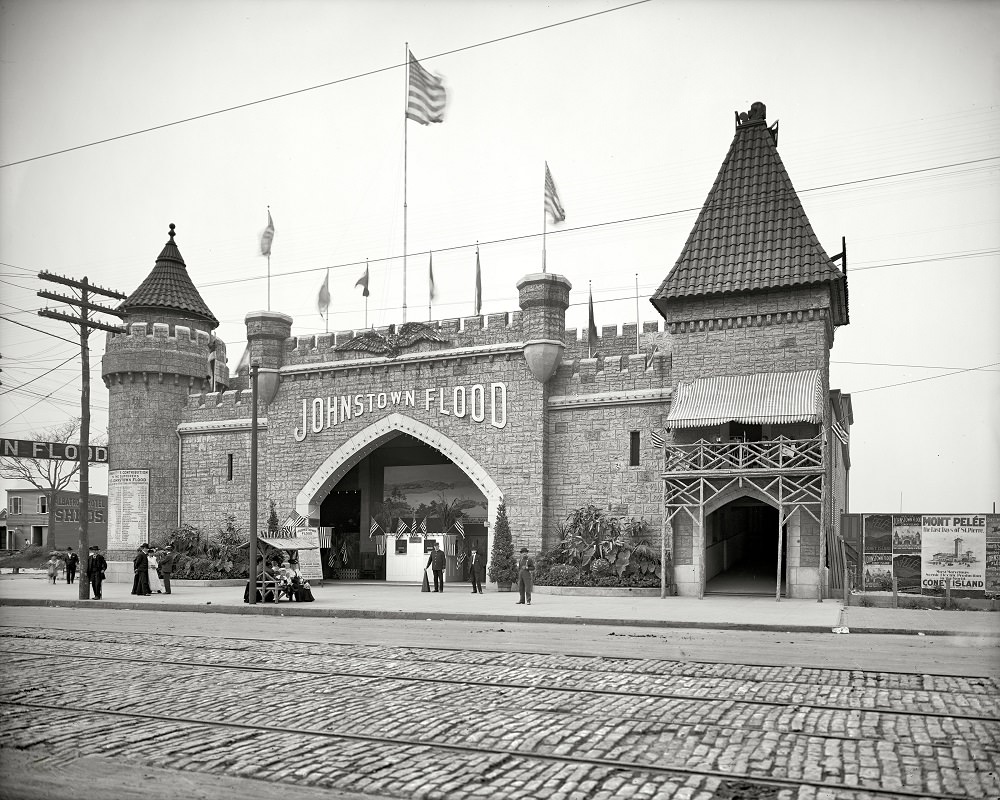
(171,231)
(757,114)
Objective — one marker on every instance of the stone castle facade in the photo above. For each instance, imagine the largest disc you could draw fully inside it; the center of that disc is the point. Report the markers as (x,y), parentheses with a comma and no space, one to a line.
(518,405)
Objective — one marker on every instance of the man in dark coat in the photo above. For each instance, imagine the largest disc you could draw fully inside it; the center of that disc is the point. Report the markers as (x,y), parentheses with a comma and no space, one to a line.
(477,570)
(96,565)
(167,557)
(525,576)
(72,559)
(140,564)
(437,562)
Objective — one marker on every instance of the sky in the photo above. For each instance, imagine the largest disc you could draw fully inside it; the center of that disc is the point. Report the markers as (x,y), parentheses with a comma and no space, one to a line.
(888,127)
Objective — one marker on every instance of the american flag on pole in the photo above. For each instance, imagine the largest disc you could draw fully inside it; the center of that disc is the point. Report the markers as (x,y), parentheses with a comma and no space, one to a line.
(401,529)
(552,204)
(413,525)
(374,528)
(840,433)
(426,97)
(460,528)
(657,439)
(423,526)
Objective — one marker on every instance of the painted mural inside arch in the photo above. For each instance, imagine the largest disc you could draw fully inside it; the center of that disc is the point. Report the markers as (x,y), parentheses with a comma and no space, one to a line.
(926,553)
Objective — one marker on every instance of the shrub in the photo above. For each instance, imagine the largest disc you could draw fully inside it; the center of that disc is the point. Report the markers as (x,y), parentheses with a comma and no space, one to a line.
(203,557)
(502,565)
(600,567)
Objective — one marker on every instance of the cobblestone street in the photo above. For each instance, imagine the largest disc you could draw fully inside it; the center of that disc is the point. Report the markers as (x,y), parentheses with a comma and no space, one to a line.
(446,721)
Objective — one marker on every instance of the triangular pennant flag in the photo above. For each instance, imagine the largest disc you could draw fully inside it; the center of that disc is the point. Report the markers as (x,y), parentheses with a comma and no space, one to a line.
(363,282)
(479,286)
(591,328)
(323,301)
(430,278)
(267,236)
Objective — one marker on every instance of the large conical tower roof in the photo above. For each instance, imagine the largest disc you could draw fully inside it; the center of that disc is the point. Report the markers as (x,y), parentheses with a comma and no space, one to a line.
(752,233)
(169,289)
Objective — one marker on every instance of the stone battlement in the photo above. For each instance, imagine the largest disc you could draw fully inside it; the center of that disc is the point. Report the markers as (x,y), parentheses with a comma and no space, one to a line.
(459,332)
(139,335)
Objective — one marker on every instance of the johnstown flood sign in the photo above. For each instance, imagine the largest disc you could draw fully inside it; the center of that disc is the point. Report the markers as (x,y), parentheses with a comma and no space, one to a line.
(57,451)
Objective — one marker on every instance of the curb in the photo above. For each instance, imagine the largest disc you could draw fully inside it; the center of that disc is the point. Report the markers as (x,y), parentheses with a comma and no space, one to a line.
(296,610)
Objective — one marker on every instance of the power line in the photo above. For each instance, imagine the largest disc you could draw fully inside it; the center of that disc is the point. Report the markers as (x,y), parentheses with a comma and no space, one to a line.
(38,377)
(918,380)
(39,330)
(319,86)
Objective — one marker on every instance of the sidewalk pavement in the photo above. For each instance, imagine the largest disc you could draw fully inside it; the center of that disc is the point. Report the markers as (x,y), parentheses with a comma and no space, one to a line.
(403,601)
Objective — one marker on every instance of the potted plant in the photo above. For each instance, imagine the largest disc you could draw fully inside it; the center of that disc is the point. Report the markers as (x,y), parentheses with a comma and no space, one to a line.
(503,565)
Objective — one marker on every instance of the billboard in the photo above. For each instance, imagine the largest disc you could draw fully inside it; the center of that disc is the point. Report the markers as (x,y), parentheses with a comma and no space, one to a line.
(929,552)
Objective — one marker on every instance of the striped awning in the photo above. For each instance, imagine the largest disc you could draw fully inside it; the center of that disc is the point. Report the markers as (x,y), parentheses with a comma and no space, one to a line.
(760,398)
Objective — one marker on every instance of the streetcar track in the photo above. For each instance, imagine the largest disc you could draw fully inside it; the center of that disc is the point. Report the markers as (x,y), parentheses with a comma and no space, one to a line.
(512,684)
(655,667)
(674,728)
(507,753)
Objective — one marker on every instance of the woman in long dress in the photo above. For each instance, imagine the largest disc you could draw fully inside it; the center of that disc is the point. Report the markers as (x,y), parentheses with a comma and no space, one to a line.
(154,579)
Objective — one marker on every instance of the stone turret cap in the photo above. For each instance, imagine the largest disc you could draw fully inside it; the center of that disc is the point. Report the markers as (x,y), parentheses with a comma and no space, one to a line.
(169,289)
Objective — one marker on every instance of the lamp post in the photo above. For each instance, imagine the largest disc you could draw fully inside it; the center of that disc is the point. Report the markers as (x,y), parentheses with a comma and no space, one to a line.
(271,381)
(252,590)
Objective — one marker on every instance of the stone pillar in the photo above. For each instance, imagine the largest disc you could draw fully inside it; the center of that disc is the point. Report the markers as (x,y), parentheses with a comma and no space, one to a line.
(544,298)
(267,332)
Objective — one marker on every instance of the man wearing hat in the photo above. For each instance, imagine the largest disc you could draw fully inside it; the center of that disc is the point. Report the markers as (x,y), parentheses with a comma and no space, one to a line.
(72,559)
(96,565)
(525,576)
(167,556)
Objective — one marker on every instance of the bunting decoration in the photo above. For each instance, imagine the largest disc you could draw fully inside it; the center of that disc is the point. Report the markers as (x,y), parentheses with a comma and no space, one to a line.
(552,203)
(426,97)
(267,236)
(840,432)
(323,301)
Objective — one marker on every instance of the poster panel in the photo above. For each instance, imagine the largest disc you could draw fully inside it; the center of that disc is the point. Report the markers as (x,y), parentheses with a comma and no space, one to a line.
(953,547)
(878,571)
(128,508)
(993,553)
(309,561)
(906,551)
(876,539)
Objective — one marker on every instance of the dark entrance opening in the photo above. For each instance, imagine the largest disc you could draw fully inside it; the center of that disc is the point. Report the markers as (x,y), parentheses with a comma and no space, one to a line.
(741,549)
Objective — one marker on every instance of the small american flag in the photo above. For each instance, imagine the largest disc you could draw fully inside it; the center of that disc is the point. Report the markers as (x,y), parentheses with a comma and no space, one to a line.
(840,433)
(552,204)
(657,439)
(460,528)
(426,97)
(423,526)
(401,529)
(374,529)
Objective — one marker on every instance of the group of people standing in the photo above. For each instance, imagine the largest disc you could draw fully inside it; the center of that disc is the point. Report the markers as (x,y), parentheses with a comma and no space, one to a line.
(152,570)
(437,563)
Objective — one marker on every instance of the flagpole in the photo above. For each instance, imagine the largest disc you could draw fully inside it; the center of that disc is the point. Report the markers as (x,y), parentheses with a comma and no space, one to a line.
(269,266)
(430,286)
(406,101)
(590,318)
(637,313)
(545,220)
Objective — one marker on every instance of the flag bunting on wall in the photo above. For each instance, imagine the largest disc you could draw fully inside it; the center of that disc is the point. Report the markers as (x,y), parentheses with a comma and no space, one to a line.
(552,204)
(426,97)
(267,236)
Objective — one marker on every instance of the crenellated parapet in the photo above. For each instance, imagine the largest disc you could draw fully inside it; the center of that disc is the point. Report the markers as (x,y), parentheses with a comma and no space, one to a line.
(614,340)
(457,334)
(160,353)
(613,373)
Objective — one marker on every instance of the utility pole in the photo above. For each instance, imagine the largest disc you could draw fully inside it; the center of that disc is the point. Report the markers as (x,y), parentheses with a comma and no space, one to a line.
(85,325)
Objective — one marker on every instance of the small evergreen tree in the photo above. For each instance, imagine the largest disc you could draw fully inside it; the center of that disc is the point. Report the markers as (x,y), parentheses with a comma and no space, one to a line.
(273,526)
(503,565)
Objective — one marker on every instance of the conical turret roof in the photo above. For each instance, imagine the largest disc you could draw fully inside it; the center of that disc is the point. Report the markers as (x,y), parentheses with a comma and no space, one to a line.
(752,233)
(168,288)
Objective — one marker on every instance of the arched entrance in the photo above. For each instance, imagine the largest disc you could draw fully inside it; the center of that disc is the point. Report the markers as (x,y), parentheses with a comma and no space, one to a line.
(742,548)
(404,475)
